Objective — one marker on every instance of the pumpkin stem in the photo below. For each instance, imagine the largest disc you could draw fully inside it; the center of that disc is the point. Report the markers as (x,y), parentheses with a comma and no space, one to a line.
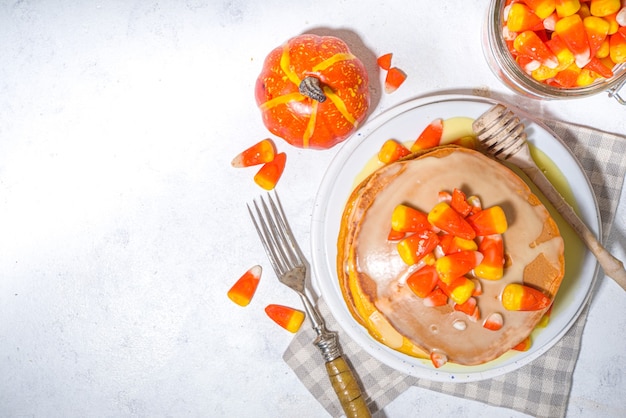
(310,87)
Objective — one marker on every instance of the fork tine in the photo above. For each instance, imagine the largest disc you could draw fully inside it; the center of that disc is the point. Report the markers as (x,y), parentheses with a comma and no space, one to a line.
(277,207)
(264,235)
(275,233)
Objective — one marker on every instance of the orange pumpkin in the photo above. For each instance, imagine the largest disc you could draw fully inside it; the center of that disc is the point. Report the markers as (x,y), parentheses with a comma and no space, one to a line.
(312,91)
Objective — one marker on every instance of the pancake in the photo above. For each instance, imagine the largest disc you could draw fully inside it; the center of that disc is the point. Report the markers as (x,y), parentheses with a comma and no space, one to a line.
(373,276)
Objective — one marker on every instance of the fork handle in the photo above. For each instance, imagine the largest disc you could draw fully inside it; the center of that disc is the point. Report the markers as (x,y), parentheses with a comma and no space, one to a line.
(341,376)
(612,267)
(347,388)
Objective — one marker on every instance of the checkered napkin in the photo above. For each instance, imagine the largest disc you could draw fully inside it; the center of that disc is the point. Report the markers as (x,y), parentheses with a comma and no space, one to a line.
(540,388)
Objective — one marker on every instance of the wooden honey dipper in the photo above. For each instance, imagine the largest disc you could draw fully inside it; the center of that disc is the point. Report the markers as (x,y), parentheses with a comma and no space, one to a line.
(502,135)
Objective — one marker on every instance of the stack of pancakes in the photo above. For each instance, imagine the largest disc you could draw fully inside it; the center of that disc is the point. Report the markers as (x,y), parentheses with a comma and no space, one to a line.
(372,275)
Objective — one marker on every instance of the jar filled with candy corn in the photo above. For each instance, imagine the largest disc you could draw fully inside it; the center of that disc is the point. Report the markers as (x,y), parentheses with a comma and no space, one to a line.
(558,49)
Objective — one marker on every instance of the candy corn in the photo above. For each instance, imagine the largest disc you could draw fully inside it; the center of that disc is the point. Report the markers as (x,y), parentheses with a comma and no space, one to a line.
(384,61)
(550,22)
(461,289)
(603,51)
(243,290)
(436,298)
(288,318)
(392,151)
(414,247)
(444,196)
(447,219)
(456,265)
(494,321)
(568,77)
(597,30)
(517,297)
(563,55)
(430,136)
(606,61)
(488,221)
(394,78)
(586,77)
(566,8)
(428,259)
(544,73)
(527,63)
(615,21)
(452,244)
(599,68)
(521,18)
(423,281)
(572,30)
(478,288)
(475,203)
(407,219)
(270,173)
(542,8)
(445,245)
(617,47)
(475,316)
(529,44)
(259,153)
(604,7)
(469,307)
(492,265)
(523,345)
(395,235)
(438,359)
(459,203)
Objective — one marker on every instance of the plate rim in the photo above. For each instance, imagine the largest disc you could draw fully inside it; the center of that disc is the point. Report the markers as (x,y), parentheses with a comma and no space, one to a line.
(405,363)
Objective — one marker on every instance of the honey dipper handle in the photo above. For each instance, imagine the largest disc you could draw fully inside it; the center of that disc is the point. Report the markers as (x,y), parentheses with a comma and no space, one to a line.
(612,267)
(347,388)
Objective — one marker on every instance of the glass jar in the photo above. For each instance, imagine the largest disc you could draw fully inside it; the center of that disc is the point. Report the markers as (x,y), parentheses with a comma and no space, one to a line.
(504,66)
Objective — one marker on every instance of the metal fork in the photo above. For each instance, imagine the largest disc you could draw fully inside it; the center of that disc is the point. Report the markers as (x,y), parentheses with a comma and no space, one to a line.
(291,268)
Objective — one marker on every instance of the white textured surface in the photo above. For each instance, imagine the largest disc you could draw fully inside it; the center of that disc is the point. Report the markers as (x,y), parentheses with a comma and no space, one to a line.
(122,224)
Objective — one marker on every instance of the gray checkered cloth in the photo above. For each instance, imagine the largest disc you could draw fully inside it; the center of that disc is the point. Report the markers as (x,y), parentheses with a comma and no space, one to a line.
(540,388)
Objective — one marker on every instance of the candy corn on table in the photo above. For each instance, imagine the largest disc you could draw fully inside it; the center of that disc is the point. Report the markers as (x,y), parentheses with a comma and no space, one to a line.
(123,223)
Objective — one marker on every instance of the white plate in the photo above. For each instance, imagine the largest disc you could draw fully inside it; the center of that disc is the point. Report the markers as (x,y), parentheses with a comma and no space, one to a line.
(404,123)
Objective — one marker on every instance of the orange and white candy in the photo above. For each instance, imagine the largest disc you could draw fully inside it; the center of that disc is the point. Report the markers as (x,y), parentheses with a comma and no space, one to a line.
(289,318)
(243,290)
(260,153)
(267,177)
(517,297)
